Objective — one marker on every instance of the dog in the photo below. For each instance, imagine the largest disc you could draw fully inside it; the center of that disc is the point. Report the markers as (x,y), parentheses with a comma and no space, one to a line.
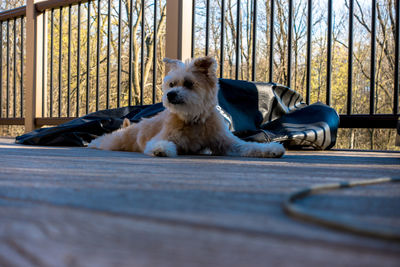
(190,124)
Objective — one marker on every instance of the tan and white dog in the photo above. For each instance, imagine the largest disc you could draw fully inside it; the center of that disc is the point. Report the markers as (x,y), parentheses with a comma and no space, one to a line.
(190,124)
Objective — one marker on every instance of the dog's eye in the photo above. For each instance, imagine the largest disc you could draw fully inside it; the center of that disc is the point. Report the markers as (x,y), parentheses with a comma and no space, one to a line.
(171,84)
(188,84)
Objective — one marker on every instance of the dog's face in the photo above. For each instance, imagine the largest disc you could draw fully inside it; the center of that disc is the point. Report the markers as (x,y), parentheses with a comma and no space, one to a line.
(190,89)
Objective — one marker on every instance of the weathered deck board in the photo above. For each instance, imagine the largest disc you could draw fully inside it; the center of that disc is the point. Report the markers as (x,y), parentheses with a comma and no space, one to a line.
(76,206)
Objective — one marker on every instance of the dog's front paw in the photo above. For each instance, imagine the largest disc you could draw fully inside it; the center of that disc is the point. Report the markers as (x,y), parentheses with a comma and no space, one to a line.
(262,150)
(161,148)
(275,150)
(95,143)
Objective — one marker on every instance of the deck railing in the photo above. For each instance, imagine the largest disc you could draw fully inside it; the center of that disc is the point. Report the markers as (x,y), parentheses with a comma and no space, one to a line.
(12,66)
(39,85)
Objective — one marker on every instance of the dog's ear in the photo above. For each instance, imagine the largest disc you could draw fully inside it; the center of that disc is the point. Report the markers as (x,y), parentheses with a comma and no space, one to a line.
(173,63)
(206,65)
(126,123)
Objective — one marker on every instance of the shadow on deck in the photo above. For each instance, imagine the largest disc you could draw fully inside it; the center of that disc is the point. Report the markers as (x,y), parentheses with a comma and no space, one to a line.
(76,206)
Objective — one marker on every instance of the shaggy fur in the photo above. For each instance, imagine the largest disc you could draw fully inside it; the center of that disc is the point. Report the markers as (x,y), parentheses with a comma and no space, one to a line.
(190,123)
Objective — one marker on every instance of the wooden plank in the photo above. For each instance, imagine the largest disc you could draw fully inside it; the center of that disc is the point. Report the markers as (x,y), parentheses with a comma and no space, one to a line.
(178,29)
(38,121)
(387,121)
(40,235)
(120,207)
(34,63)
(52,121)
(12,121)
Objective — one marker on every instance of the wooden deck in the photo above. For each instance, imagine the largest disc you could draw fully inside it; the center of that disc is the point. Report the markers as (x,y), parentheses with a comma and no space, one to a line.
(81,207)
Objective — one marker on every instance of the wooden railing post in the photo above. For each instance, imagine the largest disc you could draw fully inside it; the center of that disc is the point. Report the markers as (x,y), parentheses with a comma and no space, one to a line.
(34,65)
(179,29)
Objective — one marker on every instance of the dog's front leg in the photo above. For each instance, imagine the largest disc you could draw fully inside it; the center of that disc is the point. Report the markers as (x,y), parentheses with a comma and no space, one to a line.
(160,148)
(234,146)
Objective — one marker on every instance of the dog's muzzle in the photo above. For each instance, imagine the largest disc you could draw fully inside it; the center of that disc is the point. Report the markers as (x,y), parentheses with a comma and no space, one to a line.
(174,98)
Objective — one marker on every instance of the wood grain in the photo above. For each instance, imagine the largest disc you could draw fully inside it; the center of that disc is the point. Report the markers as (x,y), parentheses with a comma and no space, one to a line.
(80,207)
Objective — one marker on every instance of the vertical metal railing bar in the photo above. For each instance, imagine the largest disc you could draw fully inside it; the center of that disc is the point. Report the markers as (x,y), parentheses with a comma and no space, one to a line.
(329,55)
(237,39)
(51,61)
(60,64)
(350,59)
(309,31)
(119,55)
(88,58)
(193,26)
(69,61)
(396,69)
(108,55)
(98,54)
(22,68)
(253,61)
(289,62)
(271,43)
(8,69)
(155,53)
(15,68)
(207,27)
(221,65)
(142,56)
(43,63)
(373,65)
(130,52)
(78,60)
(1,69)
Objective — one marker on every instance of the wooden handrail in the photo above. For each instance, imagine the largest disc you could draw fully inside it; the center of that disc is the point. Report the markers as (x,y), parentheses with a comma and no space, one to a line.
(49,4)
(40,7)
(13,13)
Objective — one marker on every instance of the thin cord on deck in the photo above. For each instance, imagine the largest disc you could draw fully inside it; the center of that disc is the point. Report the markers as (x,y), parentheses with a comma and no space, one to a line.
(295,210)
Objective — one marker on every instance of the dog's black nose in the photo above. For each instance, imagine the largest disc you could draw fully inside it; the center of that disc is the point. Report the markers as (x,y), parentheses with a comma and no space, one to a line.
(173,98)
